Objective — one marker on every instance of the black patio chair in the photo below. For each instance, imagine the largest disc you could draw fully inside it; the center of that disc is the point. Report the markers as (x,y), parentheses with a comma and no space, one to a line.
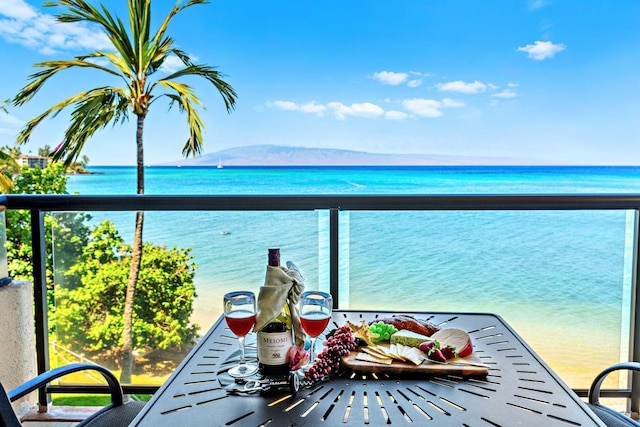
(117,413)
(609,416)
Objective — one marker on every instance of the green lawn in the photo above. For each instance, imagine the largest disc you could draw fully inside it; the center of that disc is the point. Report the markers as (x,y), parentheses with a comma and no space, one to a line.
(64,399)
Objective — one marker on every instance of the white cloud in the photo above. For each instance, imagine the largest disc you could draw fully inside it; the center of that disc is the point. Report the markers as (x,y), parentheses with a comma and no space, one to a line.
(397,115)
(506,94)
(284,105)
(452,103)
(423,107)
(416,107)
(421,74)
(22,24)
(463,87)
(541,50)
(365,109)
(312,107)
(391,78)
(414,83)
(309,107)
(512,85)
(172,64)
(17,9)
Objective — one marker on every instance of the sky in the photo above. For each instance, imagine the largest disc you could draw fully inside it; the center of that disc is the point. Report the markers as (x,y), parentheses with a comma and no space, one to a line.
(547,81)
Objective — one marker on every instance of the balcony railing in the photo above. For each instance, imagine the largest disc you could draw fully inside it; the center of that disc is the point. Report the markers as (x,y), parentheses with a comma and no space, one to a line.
(334,205)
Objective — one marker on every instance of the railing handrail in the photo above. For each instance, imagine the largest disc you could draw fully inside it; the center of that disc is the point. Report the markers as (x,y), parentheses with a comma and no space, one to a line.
(55,202)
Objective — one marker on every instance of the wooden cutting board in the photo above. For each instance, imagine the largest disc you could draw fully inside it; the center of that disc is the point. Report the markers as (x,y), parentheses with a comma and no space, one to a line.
(426,368)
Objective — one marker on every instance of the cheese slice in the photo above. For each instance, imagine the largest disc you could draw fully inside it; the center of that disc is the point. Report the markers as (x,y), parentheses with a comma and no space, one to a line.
(415,355)
(409,338)
(366,357)
(384,348)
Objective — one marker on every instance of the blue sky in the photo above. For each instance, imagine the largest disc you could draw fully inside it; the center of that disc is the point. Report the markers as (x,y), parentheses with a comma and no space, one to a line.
(551,81)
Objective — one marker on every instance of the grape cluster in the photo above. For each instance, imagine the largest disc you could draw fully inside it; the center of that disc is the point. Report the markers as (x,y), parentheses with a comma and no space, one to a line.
(328,361)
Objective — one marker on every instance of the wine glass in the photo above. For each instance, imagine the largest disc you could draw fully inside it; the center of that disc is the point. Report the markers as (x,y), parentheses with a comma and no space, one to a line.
(315,313)
(240,314)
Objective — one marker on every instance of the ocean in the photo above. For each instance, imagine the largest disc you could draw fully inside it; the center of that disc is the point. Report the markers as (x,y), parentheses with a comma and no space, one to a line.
(560,278)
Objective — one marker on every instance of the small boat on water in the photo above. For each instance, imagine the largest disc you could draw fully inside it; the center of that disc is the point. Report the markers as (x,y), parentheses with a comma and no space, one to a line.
(220,164)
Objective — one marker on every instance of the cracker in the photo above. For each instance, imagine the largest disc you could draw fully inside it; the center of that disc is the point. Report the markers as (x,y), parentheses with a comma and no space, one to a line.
(366,357)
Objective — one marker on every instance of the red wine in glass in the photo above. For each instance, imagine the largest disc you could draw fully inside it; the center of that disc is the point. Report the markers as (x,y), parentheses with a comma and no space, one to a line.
(314,322)
(240,315)
(240,322)
(315,312)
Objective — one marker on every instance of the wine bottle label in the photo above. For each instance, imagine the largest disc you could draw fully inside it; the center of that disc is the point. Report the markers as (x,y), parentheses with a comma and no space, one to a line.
(273,347)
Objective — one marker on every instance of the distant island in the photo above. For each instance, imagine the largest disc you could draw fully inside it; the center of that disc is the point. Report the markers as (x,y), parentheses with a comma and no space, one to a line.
(277,155)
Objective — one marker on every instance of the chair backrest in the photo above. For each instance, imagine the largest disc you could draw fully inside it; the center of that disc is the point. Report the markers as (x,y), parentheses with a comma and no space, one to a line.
(8,417)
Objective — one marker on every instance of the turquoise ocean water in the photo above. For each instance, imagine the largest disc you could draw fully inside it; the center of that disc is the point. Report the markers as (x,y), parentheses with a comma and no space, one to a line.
(561,278)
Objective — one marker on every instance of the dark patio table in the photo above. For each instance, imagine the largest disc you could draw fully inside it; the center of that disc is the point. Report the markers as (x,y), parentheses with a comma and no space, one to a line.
(519,390)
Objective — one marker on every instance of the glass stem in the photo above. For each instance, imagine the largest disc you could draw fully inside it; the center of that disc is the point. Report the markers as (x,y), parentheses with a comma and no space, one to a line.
(241,340)
(312,357)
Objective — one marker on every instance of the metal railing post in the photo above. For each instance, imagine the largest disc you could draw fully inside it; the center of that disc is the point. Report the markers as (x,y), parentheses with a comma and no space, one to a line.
(634,330)
(334,267)
(38,246)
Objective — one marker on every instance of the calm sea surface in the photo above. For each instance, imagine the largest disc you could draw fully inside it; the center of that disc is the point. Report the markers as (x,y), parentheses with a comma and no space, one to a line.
(561,278)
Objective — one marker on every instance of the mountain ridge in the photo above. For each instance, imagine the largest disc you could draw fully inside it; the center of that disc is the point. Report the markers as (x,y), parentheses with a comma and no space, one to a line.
(280,155)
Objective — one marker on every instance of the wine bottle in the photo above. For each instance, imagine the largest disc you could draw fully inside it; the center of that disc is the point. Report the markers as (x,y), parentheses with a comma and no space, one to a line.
(276,338)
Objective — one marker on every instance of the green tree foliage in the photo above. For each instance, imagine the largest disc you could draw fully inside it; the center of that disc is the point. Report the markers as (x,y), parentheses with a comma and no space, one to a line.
(44,151)
(90,270)
(66,232)
(50,180)
(91,305)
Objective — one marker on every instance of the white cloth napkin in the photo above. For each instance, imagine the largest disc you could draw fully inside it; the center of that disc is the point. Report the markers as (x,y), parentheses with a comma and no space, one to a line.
(281,286)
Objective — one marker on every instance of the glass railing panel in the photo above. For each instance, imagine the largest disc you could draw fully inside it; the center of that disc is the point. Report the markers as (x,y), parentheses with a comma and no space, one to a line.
(560,278)
(226,251)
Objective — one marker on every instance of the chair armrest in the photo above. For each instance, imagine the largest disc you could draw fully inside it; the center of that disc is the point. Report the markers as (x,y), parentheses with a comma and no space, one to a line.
(594,391)
(114,385)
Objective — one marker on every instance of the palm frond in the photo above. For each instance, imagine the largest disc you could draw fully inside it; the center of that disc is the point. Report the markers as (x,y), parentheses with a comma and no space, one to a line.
(96,110)
(174,11)
(187,101)
(159,54)
(50,68)
(79,10)
(6,183)
(25,133)
(214,77)
(119,62)
(160,46)
(139,23)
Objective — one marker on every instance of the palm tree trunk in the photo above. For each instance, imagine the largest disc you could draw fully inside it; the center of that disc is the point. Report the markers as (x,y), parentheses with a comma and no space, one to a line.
(136,260)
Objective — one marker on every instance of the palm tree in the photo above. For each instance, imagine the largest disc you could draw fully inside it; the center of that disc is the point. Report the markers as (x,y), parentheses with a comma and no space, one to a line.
(137,56)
